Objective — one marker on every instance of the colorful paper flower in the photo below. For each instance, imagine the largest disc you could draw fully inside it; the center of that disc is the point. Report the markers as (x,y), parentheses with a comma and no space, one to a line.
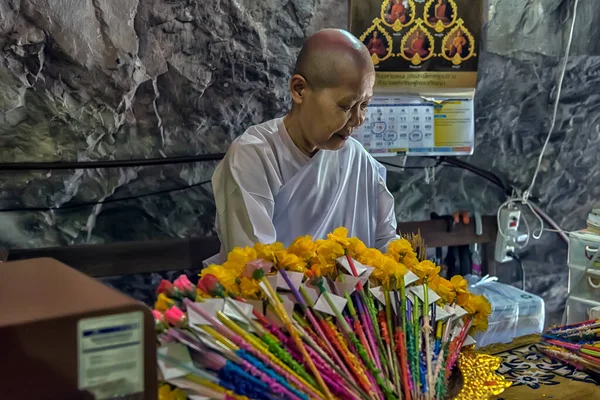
(163,303)
(168,289)
(210,285)
(256,269)
(160,322)
(183,284)
(226,277)
(176,317)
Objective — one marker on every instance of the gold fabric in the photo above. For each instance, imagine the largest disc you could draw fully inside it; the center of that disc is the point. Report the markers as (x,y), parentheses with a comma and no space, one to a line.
(535,376)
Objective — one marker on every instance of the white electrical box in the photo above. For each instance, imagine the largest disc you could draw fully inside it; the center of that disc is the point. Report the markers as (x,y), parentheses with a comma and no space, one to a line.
(416,127)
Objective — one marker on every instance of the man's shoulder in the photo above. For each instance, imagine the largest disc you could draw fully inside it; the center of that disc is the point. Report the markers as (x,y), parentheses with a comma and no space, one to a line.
(257,143)
(355,149)
(259,135)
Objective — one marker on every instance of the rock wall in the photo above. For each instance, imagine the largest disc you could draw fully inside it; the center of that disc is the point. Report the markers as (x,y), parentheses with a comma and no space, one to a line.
(99,79)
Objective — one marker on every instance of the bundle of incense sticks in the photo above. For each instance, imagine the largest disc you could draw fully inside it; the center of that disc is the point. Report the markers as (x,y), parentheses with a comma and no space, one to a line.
(322,319)
(577,345)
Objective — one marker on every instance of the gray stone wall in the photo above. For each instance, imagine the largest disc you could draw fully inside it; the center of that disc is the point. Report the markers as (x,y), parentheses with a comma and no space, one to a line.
(101,79)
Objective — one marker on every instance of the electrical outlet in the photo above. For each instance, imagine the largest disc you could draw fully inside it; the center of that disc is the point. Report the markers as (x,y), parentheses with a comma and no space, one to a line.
(509,224)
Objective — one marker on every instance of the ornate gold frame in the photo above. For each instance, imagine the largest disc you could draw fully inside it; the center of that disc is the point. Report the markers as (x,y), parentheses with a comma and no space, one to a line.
(439,26)
(381,30)
(416,59)
(457,59)
(398,26)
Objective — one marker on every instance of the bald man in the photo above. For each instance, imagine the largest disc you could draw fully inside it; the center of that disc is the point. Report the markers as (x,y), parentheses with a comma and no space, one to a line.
(304,174)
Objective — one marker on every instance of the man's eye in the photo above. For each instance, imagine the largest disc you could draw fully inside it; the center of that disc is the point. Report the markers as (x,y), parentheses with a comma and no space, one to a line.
(345,108)
(364,106)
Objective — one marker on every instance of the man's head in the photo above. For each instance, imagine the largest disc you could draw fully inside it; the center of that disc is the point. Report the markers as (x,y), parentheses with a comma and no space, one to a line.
(331,87)
(375,34)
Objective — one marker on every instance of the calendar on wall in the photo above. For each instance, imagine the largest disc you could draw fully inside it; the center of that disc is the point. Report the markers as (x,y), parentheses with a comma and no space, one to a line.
(396,125)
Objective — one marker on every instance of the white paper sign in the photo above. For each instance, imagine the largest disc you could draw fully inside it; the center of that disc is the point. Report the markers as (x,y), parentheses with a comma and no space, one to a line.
(295,277)
(360,269)
(323,306)
(377,292)
(230,311)
(469,341)
(420,292)
(110,351)
(366,275)
(211,306)
(347,284)
(440,314)
(177,352)
(459,312)
(409,278)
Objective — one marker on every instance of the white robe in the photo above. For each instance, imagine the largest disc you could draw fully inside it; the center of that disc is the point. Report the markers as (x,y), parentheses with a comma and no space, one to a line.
(267,190)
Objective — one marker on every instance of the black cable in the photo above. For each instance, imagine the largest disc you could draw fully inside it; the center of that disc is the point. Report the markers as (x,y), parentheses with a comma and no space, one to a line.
(401,167)
(62,165)
(94,203)
(515,257)
(476,170)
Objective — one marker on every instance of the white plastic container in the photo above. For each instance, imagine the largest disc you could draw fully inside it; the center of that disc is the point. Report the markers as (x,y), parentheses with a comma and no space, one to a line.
(578,309)
(514,312)
(582,247)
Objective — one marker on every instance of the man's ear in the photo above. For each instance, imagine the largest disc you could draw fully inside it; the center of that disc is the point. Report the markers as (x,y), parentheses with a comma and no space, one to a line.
(298,88)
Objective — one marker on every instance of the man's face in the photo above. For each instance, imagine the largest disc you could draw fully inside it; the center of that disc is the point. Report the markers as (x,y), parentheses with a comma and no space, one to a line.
(330,115)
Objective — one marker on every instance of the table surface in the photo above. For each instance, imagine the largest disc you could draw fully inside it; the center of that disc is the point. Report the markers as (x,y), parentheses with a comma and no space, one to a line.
(536,376)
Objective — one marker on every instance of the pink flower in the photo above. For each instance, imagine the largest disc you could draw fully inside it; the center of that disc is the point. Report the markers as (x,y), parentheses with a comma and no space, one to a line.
(210,285)
(160,322)
(168,289)
(176,317)
(256,269)
(184,285)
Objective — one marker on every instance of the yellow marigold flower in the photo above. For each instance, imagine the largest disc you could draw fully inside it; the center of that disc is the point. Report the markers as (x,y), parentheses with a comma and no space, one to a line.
(163,303)
(444,288)
(267,251)
(481,309)
(304,247)
(400,248)
(463,300)
(427,269)
(330,250)
(370,257)
(459,284)
(340,235)
(290,262)
(240,256)
(410,260)
(250,289)
(356,247)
